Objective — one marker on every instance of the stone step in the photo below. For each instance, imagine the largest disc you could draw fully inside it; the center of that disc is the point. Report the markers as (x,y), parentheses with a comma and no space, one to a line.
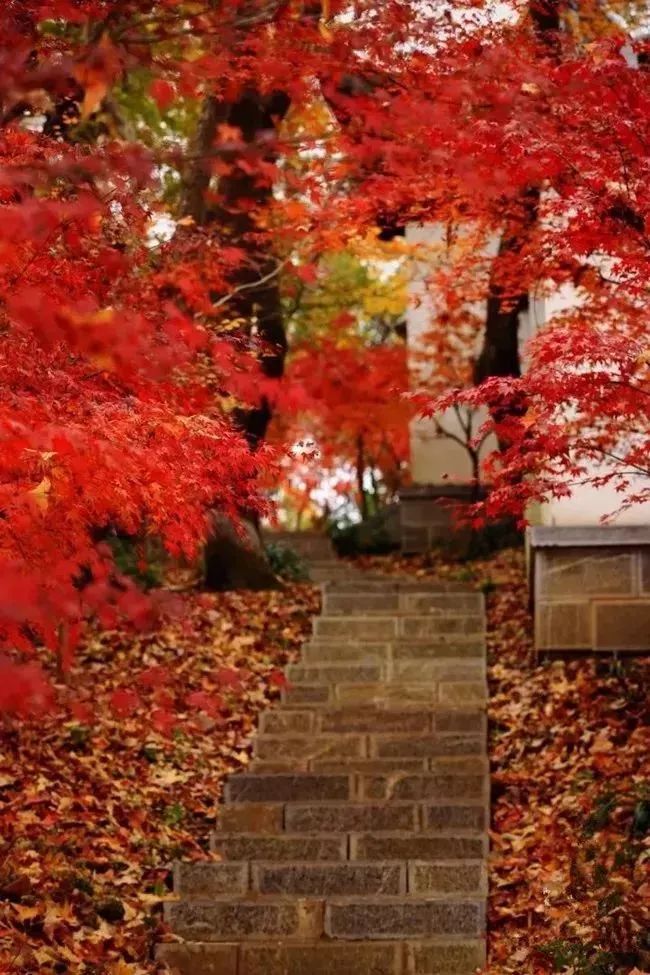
(389,720)
(452,765)
(312,787)
(384,601)
(337,918)
(423,957)
(350,817)
(343,765)
(408,669)
(318,653)
(280,847)
(416,846)
(377,628)
(403,918)
(428,694)
(354,746)
(288,788)
(306,747)
(215,881)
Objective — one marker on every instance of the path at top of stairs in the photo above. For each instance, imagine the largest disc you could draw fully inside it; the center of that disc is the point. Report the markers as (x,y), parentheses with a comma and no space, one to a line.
(356,842)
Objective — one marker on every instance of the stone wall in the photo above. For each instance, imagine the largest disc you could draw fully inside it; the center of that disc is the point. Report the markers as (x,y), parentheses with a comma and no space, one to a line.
(591,588)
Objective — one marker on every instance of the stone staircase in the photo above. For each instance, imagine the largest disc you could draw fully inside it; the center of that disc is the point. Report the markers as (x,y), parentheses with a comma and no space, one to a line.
(356,842)
(317,552)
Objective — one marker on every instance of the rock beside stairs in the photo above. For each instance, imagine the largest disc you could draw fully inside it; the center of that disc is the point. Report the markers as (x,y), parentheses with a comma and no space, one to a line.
(356,844)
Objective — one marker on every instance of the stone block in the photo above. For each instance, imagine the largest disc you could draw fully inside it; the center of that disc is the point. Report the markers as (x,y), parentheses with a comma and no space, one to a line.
(252,920)
(205,959)
(210,880)
(644,559)
(251,817)
(473,721)
(424,746)
(372,629)
(350,918)
(281,722)
(415,846)
(465,693)
(563,626)
(447,878)
(335,673)
(370,766)
(351,817)
(288,788)
(581,572)
(302,695)
(429,627)
(368,720)
(386,695)
(459,647)
(256,846)
(322,958)
(409,669)
(454,816)
(342,653)
(324,880)
(359,603)
(622,625)
(309,748)
(459,764)
(437,958)
(416,788)
(441,603)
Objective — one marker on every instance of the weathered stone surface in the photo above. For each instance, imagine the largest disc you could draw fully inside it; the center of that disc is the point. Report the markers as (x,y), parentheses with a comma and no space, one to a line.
(436,958)
(281,722)
(253,817)
(462,692)
(369,719)
(472,721)
(622,625)
(371,766)
(210,880)
(302,695)
(425,746)
(352,817)
(412,918)
(459,764)
(322,746)
(419,787)
(336,880)
(454,816)
(332,652)
(580,572)
(644,557)
(415,846)
(230,921)
(387,695)
(323,958)
(362,628)
(358,603)
(438,603)
(288,788)
(428,627)
(563,626)
(414,668)
(256,846)
(198,958)
(447,878)
(465,647)
(334,673)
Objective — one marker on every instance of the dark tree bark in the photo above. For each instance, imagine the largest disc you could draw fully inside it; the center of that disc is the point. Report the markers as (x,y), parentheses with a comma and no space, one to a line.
(236,560)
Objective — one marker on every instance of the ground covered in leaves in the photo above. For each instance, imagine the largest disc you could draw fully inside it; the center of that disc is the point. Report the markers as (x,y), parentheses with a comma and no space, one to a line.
(570,753)
(99,795)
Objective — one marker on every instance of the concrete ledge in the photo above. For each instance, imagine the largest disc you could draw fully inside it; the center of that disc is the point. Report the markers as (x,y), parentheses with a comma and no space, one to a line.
(587,536)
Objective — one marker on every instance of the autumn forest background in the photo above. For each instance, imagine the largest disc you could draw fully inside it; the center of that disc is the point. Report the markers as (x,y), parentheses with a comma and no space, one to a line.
(205,278)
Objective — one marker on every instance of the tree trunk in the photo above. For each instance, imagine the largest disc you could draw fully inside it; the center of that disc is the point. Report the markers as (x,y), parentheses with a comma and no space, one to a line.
(232,559)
